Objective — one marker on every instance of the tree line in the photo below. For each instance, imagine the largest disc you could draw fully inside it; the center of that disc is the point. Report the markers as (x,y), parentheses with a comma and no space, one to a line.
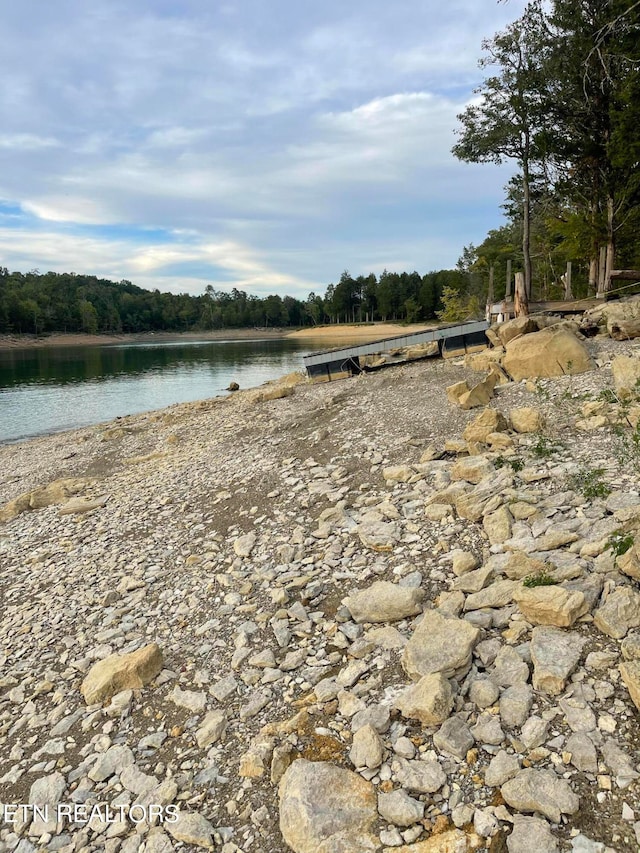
(41,303)
(561,101)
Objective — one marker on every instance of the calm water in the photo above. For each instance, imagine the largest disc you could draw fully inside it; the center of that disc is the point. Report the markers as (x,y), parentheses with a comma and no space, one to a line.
(52,389)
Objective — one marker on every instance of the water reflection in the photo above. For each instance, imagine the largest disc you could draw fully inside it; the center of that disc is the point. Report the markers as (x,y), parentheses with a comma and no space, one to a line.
(52,389)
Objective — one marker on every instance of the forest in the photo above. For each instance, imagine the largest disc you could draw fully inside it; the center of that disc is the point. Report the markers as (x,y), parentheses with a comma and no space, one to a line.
(559,101)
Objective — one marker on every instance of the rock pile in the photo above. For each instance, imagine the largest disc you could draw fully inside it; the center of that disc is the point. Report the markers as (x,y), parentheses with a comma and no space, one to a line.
(342,619)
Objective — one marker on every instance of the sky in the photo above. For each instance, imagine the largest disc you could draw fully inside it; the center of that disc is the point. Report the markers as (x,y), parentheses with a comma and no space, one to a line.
(266,145)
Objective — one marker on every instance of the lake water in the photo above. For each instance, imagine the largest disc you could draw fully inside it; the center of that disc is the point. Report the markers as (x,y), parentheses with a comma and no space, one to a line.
(57,388)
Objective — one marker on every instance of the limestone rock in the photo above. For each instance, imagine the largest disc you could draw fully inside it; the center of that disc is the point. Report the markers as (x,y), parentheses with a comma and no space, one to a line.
(439,645)
(555,654)
(110,763)
(472,469)
(629,562)
(540,791)
(626,373)
(212,729)
(630,672)
(550,352)
(429,700)
(463,562)
(324,809)
(455,391)
(46,792)
(515,328)
(378,535)
(384,602)
(367,749)
(56,492)
(531,835)
(244,545)
(515,704)
(399,808)
(526,419)
(509,668)
(192,828)
(487,422)
(454,737)
(479,394)
(501,768)
(619,613)
(424,777)
(497,525)
(450,841)
(398,473)
(551,605)
(190,699)
(117,672)
(498,594)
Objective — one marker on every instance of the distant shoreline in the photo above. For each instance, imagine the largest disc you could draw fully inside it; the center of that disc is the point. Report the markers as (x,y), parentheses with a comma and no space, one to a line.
(337,332)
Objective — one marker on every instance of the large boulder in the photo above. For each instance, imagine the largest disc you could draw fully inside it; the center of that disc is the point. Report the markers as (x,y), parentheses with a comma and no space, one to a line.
(324,809)
(121,672)
(606,317)
(551,352)
(626,374)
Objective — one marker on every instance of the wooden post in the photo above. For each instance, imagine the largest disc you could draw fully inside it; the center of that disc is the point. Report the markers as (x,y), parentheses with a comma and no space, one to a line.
(568,293)
(507,292)
(521,303)
(490,296)
(602,272)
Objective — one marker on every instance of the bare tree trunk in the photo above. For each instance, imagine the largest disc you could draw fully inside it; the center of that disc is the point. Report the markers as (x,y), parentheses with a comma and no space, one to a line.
(568,293)
(611,249)
(507,293)
(602,270)
(490,296)
(521,302)
(593,275)
(526,235)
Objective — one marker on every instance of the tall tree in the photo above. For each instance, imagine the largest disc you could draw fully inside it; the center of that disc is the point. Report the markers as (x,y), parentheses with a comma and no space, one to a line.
(509,122)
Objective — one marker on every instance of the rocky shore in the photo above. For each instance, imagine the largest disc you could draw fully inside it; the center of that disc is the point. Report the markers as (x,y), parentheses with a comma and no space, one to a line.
(329,619)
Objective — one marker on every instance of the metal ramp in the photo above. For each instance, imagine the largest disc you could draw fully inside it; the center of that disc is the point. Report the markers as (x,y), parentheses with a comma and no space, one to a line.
(453,339)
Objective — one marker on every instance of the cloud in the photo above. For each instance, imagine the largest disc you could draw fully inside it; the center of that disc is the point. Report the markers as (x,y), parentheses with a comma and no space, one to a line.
(270,144)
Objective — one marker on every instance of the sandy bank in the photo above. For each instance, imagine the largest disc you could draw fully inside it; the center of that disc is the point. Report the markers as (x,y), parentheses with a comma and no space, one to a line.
(329,334)
(80,340)
(357,332)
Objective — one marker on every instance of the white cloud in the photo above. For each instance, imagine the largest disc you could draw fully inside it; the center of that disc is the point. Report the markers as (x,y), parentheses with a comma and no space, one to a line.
(280,142)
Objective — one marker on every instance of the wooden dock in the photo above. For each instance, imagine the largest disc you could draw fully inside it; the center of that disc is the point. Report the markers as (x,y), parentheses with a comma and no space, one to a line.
(452,340)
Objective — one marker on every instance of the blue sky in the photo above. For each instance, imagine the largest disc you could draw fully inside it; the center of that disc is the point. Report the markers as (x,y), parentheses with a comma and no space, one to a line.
(261,144)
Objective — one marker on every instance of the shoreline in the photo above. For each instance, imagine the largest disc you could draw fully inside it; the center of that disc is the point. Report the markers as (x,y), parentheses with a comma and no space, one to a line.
(235,538)
(338,332)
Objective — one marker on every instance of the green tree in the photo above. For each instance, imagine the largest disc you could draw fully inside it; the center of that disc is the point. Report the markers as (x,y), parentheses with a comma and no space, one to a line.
(509,123)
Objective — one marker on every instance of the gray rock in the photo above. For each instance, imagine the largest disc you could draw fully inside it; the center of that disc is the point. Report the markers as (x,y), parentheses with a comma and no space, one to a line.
(323,807)
(367,749)
(384,602)
(502,767)
(509,668)
(424,777)
(619,763)
(429,700)
(212,729)
(619,613)
(483,692)
(498,594)
(488,730)
(515,704)
(583,752)
(531,835)
(534,732)
(399,808)
(189,699)
(113,761)
(439,645)
(540,791)
(192,828)
(454,737)
(47,793)
(555,654)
